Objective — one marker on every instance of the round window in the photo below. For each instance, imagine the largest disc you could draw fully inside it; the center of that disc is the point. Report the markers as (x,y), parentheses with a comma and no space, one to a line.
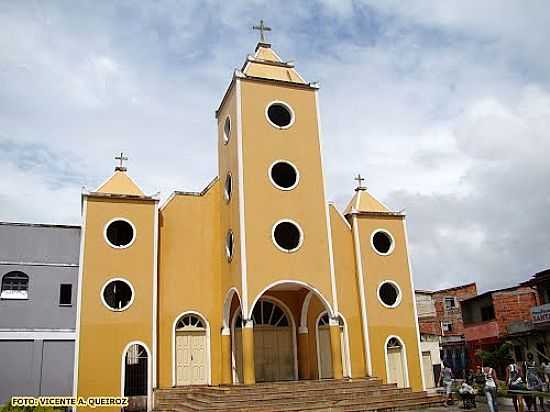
(229,245)
(389,294)
(117,294)
(287,236)
(382,242)
(228,187)
(120,233)
(280,115)
(227,130)
(284,175)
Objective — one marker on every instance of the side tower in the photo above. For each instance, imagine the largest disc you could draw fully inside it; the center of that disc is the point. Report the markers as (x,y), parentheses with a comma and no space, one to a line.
(275,217)
(115,344)
(388,305)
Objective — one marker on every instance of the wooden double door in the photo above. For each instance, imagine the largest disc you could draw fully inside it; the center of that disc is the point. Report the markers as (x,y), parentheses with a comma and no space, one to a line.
(191,358)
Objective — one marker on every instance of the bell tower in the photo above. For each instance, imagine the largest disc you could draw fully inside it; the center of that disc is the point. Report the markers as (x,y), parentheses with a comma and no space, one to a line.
(275,217)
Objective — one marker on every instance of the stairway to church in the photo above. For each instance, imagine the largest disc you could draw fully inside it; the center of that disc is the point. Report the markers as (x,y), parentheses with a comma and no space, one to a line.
(327,395)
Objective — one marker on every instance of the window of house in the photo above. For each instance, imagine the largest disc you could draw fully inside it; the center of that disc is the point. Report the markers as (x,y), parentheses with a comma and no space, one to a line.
(450,303)
(229,245)
(487,313)
(227,130)
(382,242)
(15,285)
(280,115)
(120,233)
(65,294)
(389,294)
(447,326)
(228,187)
(284,175)
(117,294)
(287,236)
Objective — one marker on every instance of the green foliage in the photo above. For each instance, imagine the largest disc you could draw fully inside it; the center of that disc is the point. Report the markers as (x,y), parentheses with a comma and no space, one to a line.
(498,358)
(9,408)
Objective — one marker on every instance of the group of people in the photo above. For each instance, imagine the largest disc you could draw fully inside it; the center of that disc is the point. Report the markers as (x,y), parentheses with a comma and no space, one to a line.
(520,376)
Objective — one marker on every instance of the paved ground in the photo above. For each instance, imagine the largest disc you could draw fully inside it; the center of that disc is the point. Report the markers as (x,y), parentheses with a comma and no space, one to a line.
(504,405)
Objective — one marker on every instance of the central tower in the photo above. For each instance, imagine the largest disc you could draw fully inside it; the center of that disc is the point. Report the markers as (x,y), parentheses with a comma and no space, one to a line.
(275,217)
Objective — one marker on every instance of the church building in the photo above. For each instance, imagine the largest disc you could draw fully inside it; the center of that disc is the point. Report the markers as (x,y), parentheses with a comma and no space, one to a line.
(258,278)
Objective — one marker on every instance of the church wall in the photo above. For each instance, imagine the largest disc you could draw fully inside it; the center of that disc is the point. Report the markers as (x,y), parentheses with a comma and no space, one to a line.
(231,275)
(190,250)
(348,293)
(384,322)
(265,204)
(103,333)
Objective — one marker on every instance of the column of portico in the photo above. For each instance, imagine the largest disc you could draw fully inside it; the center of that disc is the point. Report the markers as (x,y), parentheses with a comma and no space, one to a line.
(336,349)
(227,364)
(249,371)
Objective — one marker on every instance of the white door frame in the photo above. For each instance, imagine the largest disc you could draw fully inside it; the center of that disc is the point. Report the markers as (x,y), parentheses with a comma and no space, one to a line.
(403,359)
(346,364)
(207,333)
(149,377)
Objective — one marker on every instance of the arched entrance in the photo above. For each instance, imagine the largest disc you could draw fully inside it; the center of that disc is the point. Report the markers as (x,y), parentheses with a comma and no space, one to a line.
(135,376)
(191,350)
(396,362)
(275,355)
(324,354)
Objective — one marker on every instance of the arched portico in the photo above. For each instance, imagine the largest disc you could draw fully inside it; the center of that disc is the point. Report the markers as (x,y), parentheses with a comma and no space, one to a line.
(232,305)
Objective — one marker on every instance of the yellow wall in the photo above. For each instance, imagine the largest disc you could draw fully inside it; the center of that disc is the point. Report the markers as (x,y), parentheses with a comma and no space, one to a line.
(265,204)
(190,273)
(382,321)
(103,333)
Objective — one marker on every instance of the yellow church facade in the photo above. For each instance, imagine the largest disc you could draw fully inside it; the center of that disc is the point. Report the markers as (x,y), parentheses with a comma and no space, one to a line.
(255,279)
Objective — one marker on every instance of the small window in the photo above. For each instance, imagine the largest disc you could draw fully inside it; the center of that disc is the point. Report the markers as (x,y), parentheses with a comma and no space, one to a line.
(15,285)
(227,130)
(389,294)
(266,313)
(450,303)
(117,294)
(189,322)
(228,187)
(65,294)
(447,326)
(382,242)
(284,175)
(120,233)
(280,115)
(487,313)
(287,236)
(229,245)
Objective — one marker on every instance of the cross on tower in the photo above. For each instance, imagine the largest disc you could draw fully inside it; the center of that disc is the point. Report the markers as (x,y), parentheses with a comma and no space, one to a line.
(261,28)
(121,159)
(360,181)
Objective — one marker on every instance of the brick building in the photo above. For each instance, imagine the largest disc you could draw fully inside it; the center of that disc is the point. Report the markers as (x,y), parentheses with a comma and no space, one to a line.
(439,313)
(499,316)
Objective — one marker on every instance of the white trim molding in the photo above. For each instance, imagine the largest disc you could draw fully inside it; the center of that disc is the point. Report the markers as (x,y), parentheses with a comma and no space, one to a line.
(227,306)
(399,293)
(101,294)
(207,332)
(289,163)
(387,233)
(282,249)
(149,374)
(116,219)
(287,107)
(155,291)
(404,359)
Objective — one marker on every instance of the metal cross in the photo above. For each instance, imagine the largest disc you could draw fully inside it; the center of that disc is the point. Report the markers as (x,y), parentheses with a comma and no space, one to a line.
(360,181)
(121,159)
(261,28)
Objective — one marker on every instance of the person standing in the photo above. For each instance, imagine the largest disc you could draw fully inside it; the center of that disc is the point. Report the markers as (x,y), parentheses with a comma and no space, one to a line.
(514,381)
(490,388)
(534,382)
(446,377)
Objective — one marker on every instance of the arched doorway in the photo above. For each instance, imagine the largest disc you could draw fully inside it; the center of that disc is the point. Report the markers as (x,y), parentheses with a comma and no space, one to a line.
(135,376)
(191,350)
(324,354)
(274,341)
(396,362)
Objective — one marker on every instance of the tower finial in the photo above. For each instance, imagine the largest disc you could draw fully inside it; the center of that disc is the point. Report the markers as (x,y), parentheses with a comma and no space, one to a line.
(360,181)
(121,159)
(261,27)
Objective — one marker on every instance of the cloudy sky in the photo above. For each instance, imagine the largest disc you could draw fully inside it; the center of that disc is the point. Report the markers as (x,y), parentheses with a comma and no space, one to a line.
(443,106)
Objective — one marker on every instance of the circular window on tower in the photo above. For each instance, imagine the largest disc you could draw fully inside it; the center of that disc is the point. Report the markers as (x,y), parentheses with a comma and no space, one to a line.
(227,130)
(120,233)
(287,236)
(229,245)
(284,175)
(228,187)
(280,115)
(117,294)
(389,294)
(382,242)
